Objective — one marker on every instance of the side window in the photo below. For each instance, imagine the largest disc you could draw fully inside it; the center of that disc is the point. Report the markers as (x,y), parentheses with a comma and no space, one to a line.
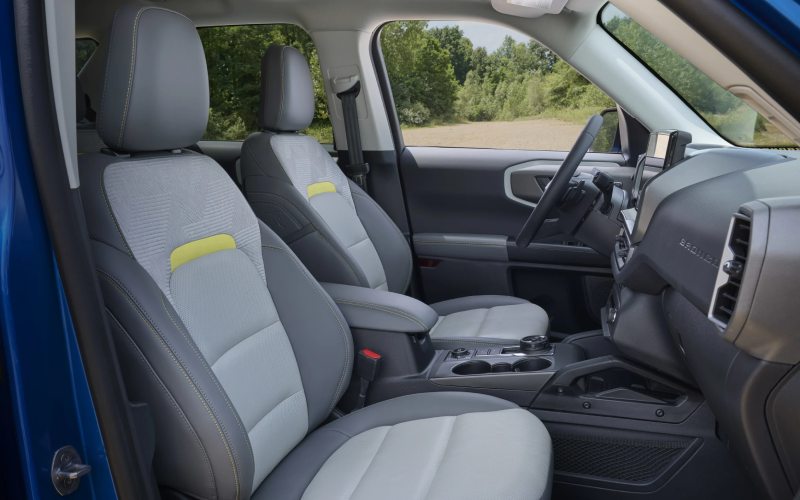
(84,48)
(478,85)
(233,55)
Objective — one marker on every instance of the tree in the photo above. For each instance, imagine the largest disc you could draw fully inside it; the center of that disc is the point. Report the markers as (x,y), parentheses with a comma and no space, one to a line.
(421,74)
(452,39)
(697,88)
(233,56)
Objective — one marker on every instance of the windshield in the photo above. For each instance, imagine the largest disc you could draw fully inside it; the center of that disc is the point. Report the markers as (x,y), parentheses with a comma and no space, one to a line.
(728,115)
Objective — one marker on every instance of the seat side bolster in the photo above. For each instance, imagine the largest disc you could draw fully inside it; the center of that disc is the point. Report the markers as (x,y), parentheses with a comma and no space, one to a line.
(390,243)
(320,338)
(189,407)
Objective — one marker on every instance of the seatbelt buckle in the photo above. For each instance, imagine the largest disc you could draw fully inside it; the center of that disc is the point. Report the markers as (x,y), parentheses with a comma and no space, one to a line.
(368,364)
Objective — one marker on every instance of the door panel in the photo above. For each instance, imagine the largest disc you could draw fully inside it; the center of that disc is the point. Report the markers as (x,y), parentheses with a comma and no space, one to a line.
(466,207)
(525,182)
(455,190)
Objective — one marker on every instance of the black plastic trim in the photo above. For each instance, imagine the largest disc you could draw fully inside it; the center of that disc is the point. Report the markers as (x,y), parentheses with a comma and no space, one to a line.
(69,236)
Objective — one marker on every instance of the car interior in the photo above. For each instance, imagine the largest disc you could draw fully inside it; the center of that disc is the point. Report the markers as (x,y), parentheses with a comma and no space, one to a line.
(374,312)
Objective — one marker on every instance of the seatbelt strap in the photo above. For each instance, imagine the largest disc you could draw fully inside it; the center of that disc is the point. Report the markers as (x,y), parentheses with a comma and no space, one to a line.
(347,90)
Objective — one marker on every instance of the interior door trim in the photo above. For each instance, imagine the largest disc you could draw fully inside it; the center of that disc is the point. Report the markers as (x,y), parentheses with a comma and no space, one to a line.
(549,167)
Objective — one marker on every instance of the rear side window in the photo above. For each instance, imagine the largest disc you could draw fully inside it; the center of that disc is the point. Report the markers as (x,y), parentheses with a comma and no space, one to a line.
(233,55)
(478,85)
(84,48)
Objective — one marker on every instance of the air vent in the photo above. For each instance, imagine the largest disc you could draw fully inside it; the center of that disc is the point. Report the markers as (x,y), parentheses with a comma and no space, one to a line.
(729,281)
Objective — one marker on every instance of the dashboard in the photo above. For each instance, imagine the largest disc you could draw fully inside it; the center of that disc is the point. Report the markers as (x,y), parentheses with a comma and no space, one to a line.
(707,270)
(682,222)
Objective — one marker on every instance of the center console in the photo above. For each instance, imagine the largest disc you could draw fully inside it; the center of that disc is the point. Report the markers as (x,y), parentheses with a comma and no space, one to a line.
(534,373)
(526,367)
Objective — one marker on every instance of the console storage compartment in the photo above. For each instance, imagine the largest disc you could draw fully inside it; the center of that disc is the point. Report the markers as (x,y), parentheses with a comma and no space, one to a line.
(616,387)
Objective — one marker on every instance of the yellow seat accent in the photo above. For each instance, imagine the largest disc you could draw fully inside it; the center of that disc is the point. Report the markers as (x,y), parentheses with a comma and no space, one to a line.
(319,188)
(198,248)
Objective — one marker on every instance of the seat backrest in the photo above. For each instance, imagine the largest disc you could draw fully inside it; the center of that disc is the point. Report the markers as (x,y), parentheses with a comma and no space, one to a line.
(87,137)
(236,349)
(298,190)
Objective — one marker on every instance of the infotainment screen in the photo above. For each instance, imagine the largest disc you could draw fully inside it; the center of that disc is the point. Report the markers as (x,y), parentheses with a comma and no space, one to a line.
(666,147)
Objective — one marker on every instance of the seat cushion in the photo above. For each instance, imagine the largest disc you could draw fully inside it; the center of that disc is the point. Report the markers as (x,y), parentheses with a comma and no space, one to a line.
(488,319)
(433,445)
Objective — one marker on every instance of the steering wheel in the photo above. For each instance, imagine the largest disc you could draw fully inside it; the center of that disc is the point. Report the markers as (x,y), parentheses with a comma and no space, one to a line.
(557,187)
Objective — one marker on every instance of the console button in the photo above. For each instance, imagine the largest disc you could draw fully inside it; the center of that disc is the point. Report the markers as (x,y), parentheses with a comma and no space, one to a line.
(534,343)
(459,353)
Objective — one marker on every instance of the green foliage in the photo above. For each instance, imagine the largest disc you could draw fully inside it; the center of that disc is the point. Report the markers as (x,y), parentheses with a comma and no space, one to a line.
(607,133)
(436,76)
(233,54)
(84,48)
(415,114)
(702,92)
(420,71)
(524,80)
(225,126)
(452,39)
(726,113)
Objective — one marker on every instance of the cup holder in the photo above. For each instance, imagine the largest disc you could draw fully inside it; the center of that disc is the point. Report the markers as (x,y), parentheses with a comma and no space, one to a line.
(531,365)
(478,367)
(472,368)
(501,367)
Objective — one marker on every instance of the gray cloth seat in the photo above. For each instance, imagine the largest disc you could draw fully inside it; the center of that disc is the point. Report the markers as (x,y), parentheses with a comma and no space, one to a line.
(436,445)
(238,352)
(336,229)
(481,319)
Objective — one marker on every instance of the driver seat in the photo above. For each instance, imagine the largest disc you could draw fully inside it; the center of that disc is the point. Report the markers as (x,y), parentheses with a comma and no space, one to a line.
(341,234)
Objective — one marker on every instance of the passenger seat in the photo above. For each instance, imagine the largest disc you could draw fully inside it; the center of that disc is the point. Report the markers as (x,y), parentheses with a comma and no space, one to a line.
(336,229)
(237,351)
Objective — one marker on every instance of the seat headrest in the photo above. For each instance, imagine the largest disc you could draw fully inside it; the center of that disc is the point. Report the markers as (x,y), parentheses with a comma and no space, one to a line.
(287,91)
(155,94)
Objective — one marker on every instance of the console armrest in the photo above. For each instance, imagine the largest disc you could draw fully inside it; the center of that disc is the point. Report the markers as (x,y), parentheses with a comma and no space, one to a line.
(379,310)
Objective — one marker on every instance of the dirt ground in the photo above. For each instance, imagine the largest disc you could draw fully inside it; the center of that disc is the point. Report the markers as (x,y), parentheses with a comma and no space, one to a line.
(542,134)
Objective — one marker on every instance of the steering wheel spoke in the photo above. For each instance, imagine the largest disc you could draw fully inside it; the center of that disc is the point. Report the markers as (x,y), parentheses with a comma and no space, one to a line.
(559,184)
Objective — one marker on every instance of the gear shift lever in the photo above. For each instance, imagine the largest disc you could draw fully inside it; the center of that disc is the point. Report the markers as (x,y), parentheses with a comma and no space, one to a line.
(534,343)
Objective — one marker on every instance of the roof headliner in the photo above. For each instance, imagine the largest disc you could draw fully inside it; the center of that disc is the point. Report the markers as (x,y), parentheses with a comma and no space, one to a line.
(94,16)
